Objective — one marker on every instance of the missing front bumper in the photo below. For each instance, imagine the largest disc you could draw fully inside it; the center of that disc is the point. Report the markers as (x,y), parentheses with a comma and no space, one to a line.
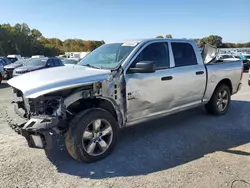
(36,130)
(40,140)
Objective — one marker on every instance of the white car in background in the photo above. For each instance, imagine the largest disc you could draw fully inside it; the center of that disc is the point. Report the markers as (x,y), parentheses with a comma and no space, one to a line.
(70,61)
(227,57)
(13,58)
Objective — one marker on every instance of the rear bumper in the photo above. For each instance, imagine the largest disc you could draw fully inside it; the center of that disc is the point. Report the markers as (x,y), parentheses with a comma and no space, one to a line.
(37,130)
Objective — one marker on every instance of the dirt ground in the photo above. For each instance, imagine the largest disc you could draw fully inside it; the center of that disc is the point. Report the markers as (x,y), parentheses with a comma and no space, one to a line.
(190,149)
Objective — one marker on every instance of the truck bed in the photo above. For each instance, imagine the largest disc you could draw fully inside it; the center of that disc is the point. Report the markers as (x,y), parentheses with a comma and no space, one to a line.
(222,70)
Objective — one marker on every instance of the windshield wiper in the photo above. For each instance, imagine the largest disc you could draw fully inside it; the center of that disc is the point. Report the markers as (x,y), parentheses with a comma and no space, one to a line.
(93,66)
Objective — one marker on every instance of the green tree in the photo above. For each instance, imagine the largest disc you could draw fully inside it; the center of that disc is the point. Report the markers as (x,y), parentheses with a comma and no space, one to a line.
(169,36)
(160,36)
(213,40)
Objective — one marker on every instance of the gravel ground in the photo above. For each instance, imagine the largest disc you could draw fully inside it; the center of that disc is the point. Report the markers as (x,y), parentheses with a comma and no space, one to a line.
(190,149)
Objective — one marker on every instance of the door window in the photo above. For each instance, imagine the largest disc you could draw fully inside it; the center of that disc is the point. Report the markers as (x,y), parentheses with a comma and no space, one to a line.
(50,63)
(157,52)
(57,62)
(184,54)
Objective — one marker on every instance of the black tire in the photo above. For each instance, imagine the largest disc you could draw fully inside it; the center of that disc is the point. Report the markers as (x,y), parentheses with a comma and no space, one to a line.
(212,107)
(78,125)
(1,78)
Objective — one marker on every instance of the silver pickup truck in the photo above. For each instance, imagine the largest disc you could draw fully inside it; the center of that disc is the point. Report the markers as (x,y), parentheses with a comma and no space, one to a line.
(118,85)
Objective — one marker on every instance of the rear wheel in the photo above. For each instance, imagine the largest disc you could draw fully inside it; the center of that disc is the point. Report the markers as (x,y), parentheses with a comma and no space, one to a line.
(92,135)
(1,78)
(220,101)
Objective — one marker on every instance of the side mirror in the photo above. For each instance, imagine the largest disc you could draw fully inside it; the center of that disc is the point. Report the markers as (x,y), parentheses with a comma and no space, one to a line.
(143,67)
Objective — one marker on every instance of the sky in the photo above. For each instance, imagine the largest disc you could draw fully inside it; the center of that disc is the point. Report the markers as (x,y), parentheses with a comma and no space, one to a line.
(116,20)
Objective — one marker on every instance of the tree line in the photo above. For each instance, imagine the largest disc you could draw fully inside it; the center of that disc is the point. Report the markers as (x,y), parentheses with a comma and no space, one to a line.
(20,39)
(215,41)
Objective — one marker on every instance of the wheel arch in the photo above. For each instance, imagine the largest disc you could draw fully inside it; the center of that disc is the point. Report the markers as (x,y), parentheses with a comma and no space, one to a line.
(107,104)
(227,82)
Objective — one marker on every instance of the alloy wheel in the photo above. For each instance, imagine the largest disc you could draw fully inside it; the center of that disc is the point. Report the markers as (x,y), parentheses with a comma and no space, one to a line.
(97,137)
(222,100)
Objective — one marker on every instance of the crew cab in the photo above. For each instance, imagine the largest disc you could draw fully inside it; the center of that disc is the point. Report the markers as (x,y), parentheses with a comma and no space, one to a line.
(118,85)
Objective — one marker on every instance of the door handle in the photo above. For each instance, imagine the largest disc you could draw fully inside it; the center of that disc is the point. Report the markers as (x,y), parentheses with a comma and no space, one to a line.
(199,72)
(166,78)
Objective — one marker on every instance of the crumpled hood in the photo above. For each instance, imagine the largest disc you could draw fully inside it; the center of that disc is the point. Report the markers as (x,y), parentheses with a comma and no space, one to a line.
(12,66)
(28,68)
(49,80)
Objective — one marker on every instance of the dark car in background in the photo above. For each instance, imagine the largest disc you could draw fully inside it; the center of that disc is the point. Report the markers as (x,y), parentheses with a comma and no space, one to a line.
(36,64)
(3,62)
(8,69)
(246,60)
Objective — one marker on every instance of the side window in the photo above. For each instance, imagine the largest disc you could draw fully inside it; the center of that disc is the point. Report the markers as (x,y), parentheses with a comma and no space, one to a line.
(57,62)
(157,52)
(50,61)
(184,54)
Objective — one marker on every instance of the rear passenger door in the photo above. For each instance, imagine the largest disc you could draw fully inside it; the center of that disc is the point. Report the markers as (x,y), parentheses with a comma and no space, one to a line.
(189,76)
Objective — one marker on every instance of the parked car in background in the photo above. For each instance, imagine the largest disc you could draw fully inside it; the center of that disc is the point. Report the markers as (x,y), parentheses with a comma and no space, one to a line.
(70,61)
(3,62)
(118,85)
(14,58)
(246,60)
(225,56)
(10,68)
(37,64)
(38,56)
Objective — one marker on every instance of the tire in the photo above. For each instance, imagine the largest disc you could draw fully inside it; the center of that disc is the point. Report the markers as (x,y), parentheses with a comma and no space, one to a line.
(1,78)
(214,104)
(78,146)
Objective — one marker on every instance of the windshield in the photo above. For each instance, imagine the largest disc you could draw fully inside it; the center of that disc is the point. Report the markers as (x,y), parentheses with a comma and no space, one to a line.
(108,55)
(22,61)
(2,62)
(36,62)
(12,59)
(69,61)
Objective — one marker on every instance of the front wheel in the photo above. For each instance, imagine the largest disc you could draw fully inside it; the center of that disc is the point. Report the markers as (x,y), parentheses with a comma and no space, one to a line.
(92,135)
(220,101)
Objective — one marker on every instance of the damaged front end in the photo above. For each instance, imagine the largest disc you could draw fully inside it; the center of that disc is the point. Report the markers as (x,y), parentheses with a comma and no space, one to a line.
(36,119)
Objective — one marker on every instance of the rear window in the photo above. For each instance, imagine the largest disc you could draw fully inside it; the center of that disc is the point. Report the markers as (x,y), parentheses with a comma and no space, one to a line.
(184,54)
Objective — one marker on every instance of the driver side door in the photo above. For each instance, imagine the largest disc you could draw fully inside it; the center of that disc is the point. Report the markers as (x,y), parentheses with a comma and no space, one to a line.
(150,94)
